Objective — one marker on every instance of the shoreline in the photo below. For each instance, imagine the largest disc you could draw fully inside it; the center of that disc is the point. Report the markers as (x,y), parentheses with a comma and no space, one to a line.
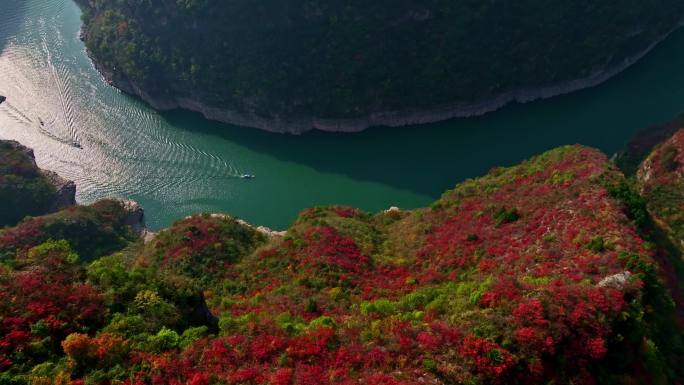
(399,118)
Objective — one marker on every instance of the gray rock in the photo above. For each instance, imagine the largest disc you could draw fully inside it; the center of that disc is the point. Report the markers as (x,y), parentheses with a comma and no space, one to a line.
(393,209)
(616,281)
(135,216)
(263,229)
(66,191)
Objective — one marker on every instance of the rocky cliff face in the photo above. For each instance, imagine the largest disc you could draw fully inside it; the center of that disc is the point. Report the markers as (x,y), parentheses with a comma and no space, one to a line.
(135,216)
(654,163)
(65,190)
(660,178)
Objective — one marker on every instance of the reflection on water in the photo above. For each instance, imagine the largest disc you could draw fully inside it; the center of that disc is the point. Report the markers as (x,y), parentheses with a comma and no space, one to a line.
(178,163)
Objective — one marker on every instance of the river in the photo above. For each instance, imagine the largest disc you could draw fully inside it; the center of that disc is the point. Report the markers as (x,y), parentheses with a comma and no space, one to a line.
(178,163)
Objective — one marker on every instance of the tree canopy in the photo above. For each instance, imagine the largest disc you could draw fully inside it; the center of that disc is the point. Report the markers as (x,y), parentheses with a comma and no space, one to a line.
(332,59)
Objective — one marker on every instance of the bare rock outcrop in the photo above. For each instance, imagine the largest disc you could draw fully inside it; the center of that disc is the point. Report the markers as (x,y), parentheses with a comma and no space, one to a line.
(66,191)
(135,216)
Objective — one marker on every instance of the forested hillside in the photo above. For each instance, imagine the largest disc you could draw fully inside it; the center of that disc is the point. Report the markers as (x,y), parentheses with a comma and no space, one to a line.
(27,190)
(545,272)
(286,60)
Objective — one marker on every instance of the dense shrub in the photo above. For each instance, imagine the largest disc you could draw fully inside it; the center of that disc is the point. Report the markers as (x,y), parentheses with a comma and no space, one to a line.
(533,274)
(92,231)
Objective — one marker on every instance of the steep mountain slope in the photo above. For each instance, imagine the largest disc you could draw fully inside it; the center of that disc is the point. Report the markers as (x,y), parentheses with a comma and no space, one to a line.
(291,66)
(533,274)
(27,190)
(661,180)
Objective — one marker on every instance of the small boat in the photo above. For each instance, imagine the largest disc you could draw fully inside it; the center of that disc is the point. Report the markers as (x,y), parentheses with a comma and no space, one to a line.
(247,176)
(2,99)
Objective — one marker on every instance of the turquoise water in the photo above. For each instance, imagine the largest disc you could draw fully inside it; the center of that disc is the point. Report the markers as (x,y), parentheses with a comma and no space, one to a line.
(177,163)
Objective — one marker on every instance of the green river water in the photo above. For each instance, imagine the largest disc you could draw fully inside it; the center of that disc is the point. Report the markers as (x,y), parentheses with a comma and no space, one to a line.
(177,163)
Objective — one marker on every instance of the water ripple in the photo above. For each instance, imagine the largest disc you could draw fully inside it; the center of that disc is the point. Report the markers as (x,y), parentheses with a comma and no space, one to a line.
(52,112)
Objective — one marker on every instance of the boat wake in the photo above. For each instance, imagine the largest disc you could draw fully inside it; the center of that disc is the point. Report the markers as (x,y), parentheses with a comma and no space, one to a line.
(61,80)
(15,114)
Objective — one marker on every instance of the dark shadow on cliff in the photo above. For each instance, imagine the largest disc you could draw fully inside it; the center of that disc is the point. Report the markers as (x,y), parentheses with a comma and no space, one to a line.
(643,143)
(11,18)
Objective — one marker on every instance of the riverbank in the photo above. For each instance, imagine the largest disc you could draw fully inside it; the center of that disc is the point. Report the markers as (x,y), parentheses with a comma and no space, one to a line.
(387,118)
